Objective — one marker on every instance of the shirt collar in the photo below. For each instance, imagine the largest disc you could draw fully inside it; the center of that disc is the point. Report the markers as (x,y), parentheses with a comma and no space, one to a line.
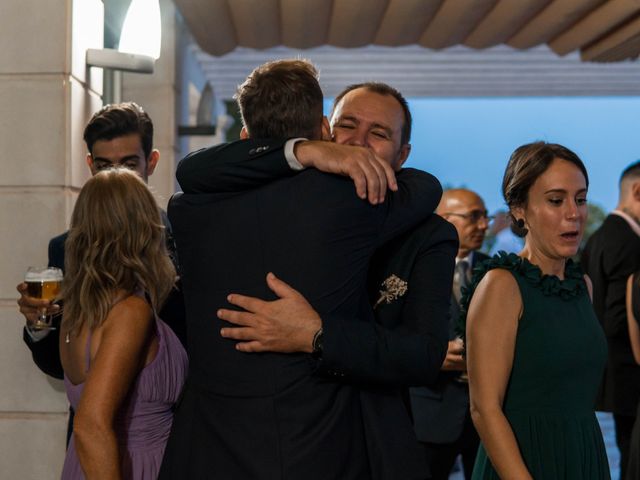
(632,223)
(468,258)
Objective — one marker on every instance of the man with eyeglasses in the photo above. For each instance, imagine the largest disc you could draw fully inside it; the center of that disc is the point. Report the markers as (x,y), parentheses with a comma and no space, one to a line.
(441,412)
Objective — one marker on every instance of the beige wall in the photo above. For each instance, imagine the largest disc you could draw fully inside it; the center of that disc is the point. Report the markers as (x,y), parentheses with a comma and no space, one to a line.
(156,93)
(45,101)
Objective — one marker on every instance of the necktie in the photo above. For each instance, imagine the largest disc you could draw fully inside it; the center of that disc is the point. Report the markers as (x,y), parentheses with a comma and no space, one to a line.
(460,278)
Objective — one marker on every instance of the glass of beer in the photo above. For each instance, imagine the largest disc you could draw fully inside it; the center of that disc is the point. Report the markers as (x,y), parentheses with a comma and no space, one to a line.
(43,283)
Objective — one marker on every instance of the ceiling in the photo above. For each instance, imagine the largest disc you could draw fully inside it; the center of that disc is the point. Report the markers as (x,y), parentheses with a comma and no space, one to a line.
(601,30)
(458,71)
(427,48)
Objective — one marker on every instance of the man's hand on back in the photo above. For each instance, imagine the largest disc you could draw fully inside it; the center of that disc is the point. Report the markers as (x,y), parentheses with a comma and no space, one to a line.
(370,173)
(286,325)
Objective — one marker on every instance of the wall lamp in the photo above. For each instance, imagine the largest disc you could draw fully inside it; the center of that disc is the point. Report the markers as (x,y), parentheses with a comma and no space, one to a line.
(140,40)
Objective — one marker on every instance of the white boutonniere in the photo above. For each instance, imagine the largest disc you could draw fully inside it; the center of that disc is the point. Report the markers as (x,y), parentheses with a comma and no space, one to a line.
(392,288)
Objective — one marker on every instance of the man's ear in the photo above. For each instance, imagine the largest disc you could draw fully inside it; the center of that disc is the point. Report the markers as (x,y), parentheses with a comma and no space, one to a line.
(405,150)
(244,134)
(635,191)
(89,160)
(152,161)
(326,129)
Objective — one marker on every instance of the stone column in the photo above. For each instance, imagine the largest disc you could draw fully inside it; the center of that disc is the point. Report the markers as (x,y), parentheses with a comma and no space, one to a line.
(46,97)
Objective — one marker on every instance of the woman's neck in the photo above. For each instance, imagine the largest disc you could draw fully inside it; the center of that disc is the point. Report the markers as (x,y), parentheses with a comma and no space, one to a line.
(547,264)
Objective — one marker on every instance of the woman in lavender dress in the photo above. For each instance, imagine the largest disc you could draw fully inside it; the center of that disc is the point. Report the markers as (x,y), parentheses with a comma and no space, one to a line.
(124,368)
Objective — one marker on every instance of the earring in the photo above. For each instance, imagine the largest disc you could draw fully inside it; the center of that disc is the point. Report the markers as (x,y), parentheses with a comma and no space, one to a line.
(520,223)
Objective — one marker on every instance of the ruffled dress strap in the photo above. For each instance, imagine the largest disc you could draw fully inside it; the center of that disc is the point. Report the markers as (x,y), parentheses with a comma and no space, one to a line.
(526,272)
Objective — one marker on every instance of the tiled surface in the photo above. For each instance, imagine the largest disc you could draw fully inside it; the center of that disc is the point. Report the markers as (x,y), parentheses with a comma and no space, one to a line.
(33,129)
(25,388)
(29,218)
(32,447)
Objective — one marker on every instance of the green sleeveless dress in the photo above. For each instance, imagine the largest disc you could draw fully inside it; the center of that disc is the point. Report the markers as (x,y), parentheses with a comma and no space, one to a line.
(559,359)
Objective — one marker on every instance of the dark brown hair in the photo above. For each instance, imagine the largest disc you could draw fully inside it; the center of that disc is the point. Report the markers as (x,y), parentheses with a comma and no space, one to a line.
(117,120)
(282,99)
(383,89)
(632,171)
(526,164)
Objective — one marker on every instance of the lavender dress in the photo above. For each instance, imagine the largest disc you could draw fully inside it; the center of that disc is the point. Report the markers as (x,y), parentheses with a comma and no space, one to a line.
(144,421)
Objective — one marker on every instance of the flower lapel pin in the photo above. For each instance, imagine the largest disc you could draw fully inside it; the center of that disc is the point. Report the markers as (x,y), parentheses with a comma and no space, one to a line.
(392,288)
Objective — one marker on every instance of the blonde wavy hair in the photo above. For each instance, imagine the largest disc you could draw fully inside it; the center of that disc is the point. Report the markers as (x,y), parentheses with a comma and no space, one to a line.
(116,242)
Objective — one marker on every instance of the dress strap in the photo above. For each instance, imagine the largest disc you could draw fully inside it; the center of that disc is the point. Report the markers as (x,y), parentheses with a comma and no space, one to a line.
(87,351)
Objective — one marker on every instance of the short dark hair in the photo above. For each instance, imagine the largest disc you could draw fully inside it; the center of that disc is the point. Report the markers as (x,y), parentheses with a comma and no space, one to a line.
(117,120)
(526,164)
(632,171)
(282,99)
(383,89)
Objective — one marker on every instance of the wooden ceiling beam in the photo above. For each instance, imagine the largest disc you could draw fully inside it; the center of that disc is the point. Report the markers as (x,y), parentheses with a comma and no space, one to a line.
(506,18)
(354,23)
(305,24)
(599,22)
(622,44)
(405,20)
(454,21)
(257,22)
(558,16)
(210,24)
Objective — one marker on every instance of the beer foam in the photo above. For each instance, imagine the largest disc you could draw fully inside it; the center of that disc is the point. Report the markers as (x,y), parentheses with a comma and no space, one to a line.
(45,275)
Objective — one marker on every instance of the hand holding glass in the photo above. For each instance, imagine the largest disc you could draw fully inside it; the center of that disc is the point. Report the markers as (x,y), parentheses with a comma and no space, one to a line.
(43,283)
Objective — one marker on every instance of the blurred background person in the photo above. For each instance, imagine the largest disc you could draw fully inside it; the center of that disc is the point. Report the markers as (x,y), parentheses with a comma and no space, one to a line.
(500,237)
(441,416)
(123,367)
(533,391)
(633,315)
(610,256)
(117,136)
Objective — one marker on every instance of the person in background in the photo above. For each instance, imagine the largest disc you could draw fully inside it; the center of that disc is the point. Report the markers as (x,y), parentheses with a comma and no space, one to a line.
(296,412)
(612,254)
(535,349)
(441,417)
(409,279)
(501,237)
(117,136)
(633,317)
(124,368)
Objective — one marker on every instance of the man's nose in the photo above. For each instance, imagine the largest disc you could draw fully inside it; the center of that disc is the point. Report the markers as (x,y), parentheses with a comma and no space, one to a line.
(358,138)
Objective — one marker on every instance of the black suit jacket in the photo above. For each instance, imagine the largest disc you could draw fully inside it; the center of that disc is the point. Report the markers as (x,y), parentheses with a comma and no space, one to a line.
(440,410)
(286,415)
(610,256)
(46,352)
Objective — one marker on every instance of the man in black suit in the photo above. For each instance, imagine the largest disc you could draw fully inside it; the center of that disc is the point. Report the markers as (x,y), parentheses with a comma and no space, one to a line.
(291,414)
(118,135)
(441,415)
(409,281)
(612,254)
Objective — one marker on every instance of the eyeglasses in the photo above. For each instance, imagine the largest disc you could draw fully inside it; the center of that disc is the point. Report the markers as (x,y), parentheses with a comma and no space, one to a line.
(473,216)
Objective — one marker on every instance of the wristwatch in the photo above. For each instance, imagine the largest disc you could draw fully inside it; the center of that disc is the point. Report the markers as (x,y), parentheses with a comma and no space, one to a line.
(316,344)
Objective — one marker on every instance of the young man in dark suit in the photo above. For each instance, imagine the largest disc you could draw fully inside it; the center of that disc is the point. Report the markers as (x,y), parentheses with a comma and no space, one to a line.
(409,280)
(119,135)
(441,417)
(612,254)
(290,414)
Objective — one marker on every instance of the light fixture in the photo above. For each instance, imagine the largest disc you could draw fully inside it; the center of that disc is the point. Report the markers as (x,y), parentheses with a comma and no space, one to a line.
(140,41)
(142,29)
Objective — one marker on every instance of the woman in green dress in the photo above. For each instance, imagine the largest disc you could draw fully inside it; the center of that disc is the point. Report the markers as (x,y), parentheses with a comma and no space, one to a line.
(535,349)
